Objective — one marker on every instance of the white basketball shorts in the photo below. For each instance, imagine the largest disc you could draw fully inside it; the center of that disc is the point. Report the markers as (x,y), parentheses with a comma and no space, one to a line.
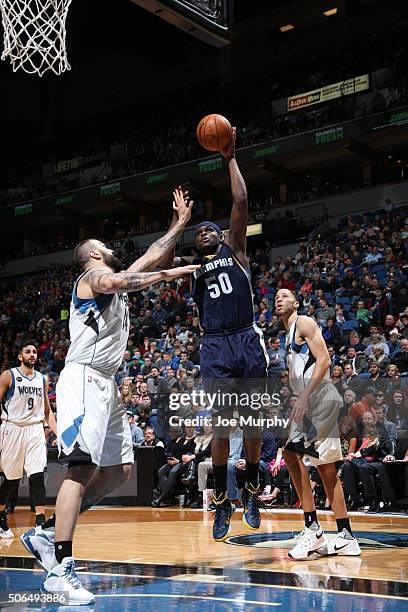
(23,449)
(92,424)
(322,418)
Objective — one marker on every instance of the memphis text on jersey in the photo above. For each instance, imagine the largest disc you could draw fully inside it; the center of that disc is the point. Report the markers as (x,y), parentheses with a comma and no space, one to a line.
(223,262)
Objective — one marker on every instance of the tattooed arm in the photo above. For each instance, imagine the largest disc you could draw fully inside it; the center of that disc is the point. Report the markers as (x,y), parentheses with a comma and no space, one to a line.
(103,280)
(162,251)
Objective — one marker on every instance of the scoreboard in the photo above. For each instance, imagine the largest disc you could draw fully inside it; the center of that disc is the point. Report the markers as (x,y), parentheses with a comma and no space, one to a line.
(209,20)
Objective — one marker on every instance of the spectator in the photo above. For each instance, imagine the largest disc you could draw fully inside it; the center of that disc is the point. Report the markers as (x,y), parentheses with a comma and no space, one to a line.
(331,333)
(350,377)
(377,341)
(187,365)
(375,379)
(170,473)
(126,394)
(277,357)
(150,438)
(147,365)
(364,406)
(137,432)
(393,343)
(398,410)
(356,467)
(202,452)
(357,361)
(393,379)
(400,358)
(337,378)
(325,312)
(378,357)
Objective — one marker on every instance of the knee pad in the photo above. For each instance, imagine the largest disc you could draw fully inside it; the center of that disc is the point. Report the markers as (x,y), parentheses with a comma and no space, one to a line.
(38,488)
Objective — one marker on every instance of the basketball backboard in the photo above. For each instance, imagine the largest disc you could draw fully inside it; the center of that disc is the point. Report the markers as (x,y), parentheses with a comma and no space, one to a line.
(209,20)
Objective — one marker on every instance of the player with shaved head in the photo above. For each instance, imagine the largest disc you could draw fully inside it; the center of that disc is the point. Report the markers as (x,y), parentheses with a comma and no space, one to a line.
(94,437)
(313,436)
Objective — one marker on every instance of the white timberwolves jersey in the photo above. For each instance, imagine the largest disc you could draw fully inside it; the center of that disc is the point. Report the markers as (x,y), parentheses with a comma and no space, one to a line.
(300,361)
(24,400)
(99,330)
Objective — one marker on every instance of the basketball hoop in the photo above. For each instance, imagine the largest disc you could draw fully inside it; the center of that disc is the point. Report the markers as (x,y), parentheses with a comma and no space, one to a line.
(34,35)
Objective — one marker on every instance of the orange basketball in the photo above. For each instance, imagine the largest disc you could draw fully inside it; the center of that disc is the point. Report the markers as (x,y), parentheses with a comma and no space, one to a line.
(214,132)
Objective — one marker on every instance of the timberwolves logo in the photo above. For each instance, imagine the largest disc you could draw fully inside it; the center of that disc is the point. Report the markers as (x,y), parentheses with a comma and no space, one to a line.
(287,539)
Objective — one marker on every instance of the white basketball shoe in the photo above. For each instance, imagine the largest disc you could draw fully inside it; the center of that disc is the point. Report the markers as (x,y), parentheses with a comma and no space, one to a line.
(40,543)
(63,580)
(344,544)
(311,544)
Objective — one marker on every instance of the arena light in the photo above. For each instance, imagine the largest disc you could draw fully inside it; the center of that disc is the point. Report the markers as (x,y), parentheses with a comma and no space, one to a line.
(330,12)
(287,27)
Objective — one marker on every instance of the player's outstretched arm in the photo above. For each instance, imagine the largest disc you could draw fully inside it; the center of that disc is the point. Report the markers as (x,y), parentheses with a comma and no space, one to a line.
(161,252)
(239,214)
(103,280)
(5,383)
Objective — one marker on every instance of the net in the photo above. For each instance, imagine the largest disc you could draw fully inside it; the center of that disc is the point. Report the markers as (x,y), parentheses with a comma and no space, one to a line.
(35,35)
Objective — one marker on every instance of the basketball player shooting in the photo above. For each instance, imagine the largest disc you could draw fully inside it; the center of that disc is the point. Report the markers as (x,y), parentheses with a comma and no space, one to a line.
(93,432)
(24,395)
(316,410)
(232,355)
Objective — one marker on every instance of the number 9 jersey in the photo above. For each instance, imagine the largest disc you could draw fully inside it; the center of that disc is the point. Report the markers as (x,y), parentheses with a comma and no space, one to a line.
(222,292)
(24,401)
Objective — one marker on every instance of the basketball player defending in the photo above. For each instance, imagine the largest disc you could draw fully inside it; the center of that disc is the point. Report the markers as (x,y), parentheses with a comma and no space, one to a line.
(24,394)
(232,356)
(313,431)
(93,431)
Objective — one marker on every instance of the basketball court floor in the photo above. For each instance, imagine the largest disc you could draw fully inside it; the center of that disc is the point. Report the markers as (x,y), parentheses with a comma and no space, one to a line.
(148,559)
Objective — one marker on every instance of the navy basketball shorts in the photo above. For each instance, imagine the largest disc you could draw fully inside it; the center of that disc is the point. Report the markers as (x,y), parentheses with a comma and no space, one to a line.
(233,368)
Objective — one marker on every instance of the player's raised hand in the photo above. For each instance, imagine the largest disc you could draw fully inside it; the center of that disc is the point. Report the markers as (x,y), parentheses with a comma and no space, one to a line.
(229,151)
(182,206)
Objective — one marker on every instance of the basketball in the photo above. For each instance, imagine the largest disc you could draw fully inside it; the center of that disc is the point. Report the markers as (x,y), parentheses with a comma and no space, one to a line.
(214,132)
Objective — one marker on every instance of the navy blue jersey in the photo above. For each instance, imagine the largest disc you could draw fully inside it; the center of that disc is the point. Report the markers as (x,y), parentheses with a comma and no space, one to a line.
(222,292)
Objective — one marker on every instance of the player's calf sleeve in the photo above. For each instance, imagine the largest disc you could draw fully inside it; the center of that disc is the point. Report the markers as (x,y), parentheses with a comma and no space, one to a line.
(252,473)
(220,479)
(38,489)
(6,489)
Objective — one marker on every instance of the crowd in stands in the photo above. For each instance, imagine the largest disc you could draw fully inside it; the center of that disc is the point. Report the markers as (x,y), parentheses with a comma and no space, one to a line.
(128,148)
(353,282)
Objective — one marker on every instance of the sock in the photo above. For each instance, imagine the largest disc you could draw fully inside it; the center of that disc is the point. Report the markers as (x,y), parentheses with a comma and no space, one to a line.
(49,523)
(220,479)
(310,518)
(39,519)
(344,523)
(3,520)
(62,550)
(252,473)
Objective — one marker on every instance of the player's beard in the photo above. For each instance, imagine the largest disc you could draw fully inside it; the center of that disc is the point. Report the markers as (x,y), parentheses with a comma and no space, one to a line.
(209,249)
(26,363)
(112,262)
